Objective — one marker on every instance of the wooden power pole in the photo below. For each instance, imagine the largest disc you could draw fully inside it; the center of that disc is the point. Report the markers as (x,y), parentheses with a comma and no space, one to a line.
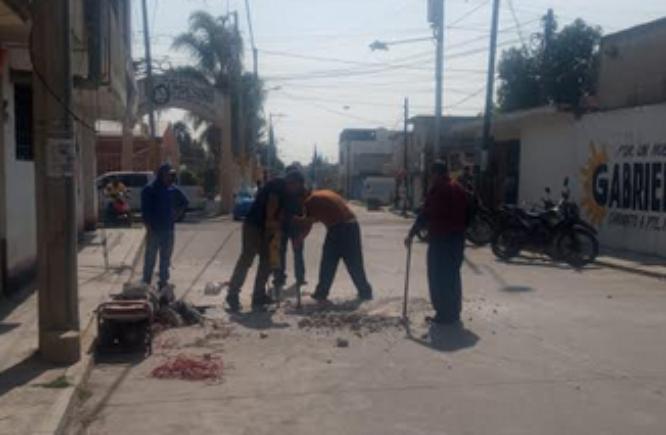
(488,187)
(55,157)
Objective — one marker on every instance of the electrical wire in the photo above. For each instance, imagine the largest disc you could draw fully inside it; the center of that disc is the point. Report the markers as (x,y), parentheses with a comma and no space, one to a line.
(50,90)
(469,13)
(519,29)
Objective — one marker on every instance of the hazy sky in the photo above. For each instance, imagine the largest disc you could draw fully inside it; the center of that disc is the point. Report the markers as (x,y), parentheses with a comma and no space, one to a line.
(314,55)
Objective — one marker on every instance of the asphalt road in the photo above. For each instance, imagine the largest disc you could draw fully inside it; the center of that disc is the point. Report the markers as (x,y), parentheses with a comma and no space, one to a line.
(544,350)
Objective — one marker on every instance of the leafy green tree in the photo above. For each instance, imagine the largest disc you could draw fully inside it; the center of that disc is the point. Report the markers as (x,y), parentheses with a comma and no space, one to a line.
(558,67)
(216,48)
(192,153)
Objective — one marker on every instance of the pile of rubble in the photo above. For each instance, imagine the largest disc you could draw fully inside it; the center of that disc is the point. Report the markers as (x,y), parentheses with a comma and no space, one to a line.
(359,323)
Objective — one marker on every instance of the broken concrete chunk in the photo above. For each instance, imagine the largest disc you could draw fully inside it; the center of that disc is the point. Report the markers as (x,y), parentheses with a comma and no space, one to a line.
(341,342)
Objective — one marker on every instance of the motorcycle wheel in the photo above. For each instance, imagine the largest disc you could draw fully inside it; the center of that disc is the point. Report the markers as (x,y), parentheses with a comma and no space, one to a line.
(480,231)
(422,235)
(578,247)
(507,243)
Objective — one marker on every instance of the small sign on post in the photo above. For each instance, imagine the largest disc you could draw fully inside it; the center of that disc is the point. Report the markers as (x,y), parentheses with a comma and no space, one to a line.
(60,158)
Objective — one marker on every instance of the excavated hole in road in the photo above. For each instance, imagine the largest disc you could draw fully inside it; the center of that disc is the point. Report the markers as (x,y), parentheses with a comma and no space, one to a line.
(360,323)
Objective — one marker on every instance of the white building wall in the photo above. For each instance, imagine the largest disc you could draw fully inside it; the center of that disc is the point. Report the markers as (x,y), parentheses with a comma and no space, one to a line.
(20,192)
(560,146)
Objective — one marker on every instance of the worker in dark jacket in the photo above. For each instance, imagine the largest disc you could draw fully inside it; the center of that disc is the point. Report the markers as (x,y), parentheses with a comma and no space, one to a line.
(445,214)
(161,203)
(262,237)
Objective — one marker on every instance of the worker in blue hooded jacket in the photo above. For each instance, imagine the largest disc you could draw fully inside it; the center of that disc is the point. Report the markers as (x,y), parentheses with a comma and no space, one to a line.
(161,203)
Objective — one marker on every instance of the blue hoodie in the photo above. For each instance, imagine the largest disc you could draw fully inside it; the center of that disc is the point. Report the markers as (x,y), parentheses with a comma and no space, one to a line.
(160,204)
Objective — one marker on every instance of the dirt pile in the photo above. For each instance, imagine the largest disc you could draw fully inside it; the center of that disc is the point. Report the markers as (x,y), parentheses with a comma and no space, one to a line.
(359,323)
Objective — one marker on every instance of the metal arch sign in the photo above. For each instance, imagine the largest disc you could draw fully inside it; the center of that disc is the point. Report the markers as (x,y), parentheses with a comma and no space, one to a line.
(174,90)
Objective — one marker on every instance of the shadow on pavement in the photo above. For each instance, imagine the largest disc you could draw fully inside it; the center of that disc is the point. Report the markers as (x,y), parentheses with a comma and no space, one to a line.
(6,327)
(516,289)
(446,338)
(22,373)
(544,262)
(16,298)
(257,320)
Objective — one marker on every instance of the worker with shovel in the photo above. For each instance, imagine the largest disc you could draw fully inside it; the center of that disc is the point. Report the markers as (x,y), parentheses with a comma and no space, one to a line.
(262,237)
(445,214)
(343,241)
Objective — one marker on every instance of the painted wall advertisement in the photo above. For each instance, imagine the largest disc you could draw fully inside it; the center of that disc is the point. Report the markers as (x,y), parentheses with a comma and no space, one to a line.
(624,189)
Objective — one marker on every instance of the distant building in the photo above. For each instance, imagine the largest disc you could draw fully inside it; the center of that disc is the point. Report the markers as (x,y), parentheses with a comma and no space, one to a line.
(365,153)
(632,69)
(109,149)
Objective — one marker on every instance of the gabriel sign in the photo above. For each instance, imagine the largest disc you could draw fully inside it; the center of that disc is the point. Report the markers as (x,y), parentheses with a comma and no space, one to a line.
(174,90)
(628,187)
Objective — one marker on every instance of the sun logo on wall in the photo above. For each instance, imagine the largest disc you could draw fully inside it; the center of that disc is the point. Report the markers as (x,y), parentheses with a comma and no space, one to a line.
(595,212)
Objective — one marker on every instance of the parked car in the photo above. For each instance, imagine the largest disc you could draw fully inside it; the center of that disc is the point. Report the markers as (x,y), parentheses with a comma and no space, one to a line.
(243,201)
(195,195)
(378,191)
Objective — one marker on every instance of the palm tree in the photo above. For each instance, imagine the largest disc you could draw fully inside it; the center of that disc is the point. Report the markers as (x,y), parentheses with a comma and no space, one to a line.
(216,47)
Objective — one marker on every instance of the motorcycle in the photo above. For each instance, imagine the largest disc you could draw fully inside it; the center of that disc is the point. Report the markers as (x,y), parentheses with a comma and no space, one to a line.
(557,231)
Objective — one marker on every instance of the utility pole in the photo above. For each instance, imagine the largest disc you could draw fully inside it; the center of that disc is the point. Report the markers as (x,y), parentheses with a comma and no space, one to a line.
(272,148)
(255,86)
(490,91)
(149,84)
(255,52)
(55,160)
(438,26)
(240,103)
(315,162)
(405,162)
(436,19)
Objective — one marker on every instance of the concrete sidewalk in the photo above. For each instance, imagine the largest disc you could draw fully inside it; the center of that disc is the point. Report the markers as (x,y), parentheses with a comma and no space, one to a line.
(34,395)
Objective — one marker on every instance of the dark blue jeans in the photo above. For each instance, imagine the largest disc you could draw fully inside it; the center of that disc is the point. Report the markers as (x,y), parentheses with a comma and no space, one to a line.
(158,242)
(299,262)
(343,241)
(445,258)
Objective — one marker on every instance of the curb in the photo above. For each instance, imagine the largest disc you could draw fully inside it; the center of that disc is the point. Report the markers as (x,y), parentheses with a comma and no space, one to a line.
(57,417)
(631,269)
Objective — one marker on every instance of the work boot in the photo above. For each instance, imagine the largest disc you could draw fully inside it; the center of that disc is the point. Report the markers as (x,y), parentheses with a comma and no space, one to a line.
(261,301)
(444,321)
(365,296)
(319,297)
(233,302)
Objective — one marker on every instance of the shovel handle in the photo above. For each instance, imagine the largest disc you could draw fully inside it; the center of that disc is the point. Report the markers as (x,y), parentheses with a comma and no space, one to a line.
(407,270)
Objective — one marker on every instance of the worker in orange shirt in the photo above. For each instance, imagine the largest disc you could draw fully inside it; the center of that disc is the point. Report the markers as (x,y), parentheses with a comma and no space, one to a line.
(343,241)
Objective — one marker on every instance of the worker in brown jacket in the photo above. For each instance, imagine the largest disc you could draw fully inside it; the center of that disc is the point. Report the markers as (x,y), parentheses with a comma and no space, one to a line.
(343,241)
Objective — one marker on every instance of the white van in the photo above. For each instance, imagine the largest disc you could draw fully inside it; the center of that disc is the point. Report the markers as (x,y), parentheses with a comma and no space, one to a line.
(379,189)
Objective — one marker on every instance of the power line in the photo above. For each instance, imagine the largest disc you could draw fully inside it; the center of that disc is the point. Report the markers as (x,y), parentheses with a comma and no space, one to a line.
(469,13)
(519,29)
(467,98)
(343,61)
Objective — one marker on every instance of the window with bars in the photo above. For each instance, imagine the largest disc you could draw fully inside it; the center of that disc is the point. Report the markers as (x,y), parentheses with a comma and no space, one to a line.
(23,121)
